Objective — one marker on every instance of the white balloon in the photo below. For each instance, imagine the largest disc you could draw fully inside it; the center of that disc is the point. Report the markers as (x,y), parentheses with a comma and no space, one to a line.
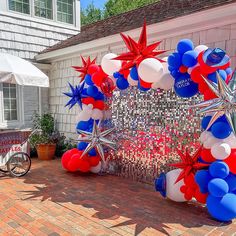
(132,82)
(156,85)
(85,114)
(96,169)
(211,141)
(220,151)
(150,70)
(165,65)
(204,136)
(166,81)
(173,190)
(97,114)
(231,140)
(200,48)
(110,66)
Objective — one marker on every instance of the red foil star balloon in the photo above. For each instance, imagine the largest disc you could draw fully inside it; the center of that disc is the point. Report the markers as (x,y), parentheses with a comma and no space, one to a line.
(84,69)
(188,163)
(138,51)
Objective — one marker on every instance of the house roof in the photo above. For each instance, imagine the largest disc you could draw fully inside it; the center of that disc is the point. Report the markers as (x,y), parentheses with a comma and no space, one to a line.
(153,13)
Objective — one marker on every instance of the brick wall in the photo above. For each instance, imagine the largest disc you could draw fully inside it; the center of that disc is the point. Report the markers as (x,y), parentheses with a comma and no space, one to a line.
(62,73)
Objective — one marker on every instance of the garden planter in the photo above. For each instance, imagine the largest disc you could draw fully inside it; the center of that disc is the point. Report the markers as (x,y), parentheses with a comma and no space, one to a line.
(46,151)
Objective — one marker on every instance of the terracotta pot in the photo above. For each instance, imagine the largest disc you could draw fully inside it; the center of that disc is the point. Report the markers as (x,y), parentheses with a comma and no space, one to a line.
(46,151)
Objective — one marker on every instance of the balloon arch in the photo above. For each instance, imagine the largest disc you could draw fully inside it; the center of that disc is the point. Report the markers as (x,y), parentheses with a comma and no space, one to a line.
(209,174)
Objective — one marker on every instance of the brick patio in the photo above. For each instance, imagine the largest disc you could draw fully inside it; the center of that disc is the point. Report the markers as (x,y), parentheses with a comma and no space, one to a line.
(50,201)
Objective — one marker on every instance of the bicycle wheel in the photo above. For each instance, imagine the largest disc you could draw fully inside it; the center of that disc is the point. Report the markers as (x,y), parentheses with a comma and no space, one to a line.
(19,164)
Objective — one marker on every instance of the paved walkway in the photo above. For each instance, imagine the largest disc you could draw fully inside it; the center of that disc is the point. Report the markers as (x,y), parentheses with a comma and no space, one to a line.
(50,201)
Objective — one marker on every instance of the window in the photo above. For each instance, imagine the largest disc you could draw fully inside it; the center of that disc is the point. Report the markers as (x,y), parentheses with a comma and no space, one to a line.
(43,8)
(65,11)
(9,102)
(19,6)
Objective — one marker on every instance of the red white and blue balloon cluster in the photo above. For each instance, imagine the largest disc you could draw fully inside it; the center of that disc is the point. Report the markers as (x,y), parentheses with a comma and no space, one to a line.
(209,175)
(138,67)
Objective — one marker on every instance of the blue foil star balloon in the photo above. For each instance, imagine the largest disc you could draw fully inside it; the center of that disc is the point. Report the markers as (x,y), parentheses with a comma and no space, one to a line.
(76,95)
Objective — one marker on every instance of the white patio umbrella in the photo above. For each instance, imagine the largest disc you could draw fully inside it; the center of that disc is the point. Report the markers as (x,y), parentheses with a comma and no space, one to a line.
(16,70)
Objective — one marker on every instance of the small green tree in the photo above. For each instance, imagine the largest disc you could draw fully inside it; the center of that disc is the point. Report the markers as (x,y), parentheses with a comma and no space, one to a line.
(91,14)
(115,7)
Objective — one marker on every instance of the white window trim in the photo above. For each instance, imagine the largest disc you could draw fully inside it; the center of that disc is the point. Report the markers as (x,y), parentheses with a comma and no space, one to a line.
(20,110)
(76,15)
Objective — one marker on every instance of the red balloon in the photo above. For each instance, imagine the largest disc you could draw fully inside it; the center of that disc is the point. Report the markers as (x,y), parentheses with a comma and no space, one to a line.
(125,73)
(206,155)
(99,105)
(187,196)
(208,94)
(74,162)
(196,75)
(84,166)
(200,197)
(93,69)
(183,188)
(88,100)
(231,161)
(65,159)
(145,84)
(107,86)
(93,161)
(97,78)
(183,69)
(202,86)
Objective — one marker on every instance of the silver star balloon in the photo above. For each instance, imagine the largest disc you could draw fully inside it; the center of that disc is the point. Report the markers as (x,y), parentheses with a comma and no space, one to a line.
(224,104)
(97,140)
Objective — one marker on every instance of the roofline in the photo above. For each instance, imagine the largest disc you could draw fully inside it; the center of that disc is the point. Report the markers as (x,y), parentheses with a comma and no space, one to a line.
(213,17)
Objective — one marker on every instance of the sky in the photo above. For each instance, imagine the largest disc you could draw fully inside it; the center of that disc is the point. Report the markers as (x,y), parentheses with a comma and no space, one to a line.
(97,3)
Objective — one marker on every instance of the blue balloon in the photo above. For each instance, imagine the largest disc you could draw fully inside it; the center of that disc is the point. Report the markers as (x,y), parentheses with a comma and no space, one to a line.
(83,125)
(116,75)
(134,73)
(228,71)
(185,45)
(231,181)
(218,187)
(212,77)
(175,73)
(175,60)
(99,96)
(170,68)
(92,152)
(223,209)
(205,122)
(92,91)
(202,178)
(84,92)
(189,58)
(221,130)
(82,145)
(219,169)
(223,74)
(122,83)
(185,87)
(88,79)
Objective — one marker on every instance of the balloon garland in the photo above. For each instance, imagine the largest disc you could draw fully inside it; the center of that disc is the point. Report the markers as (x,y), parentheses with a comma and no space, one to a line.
(209,174)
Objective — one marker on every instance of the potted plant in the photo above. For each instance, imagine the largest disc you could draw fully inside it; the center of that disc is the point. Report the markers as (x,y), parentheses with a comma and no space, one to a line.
(45,137)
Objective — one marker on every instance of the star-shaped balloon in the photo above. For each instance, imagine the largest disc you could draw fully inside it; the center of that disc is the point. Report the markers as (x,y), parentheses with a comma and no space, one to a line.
(84,69)
(224,104)
(138,51)
(189,164)
(76,95)
(97,140)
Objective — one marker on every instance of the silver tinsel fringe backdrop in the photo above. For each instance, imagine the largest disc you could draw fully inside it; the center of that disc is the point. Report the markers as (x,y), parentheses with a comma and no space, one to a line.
(149,127)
